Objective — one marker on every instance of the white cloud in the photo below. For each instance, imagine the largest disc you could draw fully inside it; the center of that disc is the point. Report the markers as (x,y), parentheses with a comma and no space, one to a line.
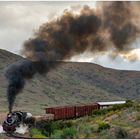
(105,60)
(20,19)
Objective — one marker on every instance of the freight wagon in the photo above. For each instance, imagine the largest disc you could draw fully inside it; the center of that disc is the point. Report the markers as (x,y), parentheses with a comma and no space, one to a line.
(63,112)
(70,112)
(75,111)
(85,110)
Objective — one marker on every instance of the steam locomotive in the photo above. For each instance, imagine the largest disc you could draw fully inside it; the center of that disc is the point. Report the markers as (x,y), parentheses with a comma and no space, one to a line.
(14,119)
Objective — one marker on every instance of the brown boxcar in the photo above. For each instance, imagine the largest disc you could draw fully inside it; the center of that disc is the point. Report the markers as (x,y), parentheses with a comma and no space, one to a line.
(83,110)
(90,108)
(80,111)
(49,110)
(68,112)
(65,112)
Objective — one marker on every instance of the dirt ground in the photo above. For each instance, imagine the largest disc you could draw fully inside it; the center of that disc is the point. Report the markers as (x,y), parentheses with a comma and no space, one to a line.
(2,117)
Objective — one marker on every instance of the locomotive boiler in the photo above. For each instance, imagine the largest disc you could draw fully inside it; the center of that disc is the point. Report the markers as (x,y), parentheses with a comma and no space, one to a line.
(14,119)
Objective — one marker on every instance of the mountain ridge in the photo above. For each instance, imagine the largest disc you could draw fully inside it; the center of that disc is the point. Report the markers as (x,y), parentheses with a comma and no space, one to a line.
(70,83)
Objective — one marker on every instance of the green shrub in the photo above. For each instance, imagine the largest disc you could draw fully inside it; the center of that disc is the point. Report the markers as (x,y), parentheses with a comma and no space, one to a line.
(138,118)
(137,106)
(45,127)
(64,133)
(129,102)
(103,126)
(48,127)
(100,112)
(38,136)
(35,133)
(65,124)
(121,133)
(87,130)
(69,133)
(104,111)
(69,124)
(57,134)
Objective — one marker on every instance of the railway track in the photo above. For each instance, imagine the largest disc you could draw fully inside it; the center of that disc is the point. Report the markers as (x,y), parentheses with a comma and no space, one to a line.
(13,135)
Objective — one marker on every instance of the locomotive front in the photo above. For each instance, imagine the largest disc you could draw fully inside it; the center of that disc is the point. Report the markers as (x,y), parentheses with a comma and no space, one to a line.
(14,119)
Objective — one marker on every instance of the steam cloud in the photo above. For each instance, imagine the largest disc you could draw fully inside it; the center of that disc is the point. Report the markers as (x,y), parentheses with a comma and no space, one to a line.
(111,26)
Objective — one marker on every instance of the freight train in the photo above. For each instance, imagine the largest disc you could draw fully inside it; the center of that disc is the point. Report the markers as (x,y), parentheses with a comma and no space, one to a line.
(70,112)
(16,118)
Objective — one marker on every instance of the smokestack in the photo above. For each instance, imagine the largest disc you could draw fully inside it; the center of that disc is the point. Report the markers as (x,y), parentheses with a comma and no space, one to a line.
(111,26)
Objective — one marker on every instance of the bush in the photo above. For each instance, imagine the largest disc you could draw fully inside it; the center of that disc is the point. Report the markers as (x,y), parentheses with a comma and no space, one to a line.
(65,124)
(38,136)
(100,112)
(48,127)
(64,133)
(128,103)
(45,127)
(69,133)
(138,118)
(88,130)
(103,126)
(35,133)
(121,133)
(104,111)
(137,106)
(57,134)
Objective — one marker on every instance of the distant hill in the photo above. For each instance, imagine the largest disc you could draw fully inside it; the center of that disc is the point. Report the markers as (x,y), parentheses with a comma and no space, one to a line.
(70,83)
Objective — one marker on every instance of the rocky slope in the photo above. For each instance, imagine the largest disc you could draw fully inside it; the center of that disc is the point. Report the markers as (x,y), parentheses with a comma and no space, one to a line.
(70,83)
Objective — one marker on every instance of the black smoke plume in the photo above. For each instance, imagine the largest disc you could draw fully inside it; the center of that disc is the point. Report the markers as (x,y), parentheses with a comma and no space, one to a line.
(111,26)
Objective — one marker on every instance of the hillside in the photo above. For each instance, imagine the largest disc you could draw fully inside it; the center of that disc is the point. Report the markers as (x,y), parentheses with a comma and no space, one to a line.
(119,121)
(70,83)
(116,122)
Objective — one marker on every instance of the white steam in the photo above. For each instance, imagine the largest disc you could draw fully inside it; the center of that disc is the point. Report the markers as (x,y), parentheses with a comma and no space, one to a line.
(1,130)
(22,129)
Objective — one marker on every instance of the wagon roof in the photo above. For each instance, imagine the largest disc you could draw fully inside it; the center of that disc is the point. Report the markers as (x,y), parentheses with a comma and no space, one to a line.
(67,106)
(111,103)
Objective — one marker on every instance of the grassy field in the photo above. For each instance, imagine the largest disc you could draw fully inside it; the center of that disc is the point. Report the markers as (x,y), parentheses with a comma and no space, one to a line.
(119,121)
